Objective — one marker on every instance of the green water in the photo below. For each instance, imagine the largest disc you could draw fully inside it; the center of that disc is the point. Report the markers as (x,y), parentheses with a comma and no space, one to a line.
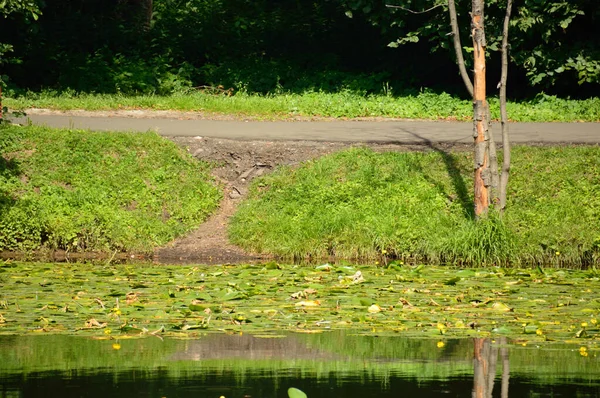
(333,364)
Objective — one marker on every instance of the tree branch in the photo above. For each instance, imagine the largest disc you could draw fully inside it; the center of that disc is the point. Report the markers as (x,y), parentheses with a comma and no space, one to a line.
(414,12)
(458,48)
(503,112)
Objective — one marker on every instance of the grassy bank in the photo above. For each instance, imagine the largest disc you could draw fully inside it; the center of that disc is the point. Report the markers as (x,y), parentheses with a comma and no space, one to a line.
(78,190)
(347,104)
(361,204)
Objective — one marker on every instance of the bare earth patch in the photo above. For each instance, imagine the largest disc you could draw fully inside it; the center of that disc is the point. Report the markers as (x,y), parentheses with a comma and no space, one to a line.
(238,163)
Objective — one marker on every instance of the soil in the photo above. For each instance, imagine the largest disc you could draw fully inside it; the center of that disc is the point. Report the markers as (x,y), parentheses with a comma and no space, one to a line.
(238,163)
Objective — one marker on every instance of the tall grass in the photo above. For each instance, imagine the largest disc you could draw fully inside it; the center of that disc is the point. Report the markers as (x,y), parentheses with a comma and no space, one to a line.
(362,204)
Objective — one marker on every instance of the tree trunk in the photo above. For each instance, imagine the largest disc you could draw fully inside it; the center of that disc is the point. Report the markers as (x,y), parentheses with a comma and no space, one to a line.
(480,369)
(458,47)
(505,369)
(143,12)
(503,112)
(485,357)
(480,111)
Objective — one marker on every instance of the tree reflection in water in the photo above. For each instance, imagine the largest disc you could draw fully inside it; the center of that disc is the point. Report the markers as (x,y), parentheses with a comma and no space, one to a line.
(485,358)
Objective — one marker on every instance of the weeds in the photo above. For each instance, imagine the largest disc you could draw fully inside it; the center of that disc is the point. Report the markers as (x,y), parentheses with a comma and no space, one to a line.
(78,190)
(361,204)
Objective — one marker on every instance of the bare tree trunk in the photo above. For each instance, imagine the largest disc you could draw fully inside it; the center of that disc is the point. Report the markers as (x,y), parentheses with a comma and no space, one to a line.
(480,367)
(492,355)
(485,357)
(503,112)
(458,47)
(505,369)
(480,111)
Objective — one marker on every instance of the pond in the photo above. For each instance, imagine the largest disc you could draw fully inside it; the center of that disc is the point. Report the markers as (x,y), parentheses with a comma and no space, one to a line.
(329,364)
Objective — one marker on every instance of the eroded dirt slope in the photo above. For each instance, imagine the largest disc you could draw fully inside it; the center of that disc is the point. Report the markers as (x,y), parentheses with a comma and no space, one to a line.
(238,163)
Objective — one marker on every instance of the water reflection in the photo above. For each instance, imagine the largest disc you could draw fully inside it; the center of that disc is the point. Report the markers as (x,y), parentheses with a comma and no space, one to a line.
(485,358)
(325,365)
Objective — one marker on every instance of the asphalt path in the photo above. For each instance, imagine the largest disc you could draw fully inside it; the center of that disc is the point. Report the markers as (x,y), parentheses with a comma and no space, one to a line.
(395,131)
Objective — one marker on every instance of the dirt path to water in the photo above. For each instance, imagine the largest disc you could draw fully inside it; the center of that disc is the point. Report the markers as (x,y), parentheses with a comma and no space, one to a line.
(239,162)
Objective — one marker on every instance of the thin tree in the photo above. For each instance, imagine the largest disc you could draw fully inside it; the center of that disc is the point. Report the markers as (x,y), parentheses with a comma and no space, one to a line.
(488,187)
(482,177)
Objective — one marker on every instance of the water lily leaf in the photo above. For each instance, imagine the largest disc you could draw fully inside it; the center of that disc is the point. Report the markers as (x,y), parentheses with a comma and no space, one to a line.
(103,273)
(452,282)
(203,296)
(131,329)
(232,295)
(502,330)
(395,265)
(418,268)
(581,333)
(530,329)
(139,285)
(501,307)
(373,309)
(273,265)
(194,327)
(308,303)
(295,393)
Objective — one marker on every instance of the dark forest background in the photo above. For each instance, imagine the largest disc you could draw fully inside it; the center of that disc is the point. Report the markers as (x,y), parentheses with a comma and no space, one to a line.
(268,46)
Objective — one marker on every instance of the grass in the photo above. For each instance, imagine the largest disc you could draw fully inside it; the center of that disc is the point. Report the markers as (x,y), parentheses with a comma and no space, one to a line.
(366,205)
(345,104)
(79,190)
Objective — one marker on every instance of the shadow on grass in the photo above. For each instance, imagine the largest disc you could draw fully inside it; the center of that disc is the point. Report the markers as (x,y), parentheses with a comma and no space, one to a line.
(453,170)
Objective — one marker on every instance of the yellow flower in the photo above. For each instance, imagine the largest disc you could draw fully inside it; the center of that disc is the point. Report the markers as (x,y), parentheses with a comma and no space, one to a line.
(383,251)
(594,321)
(107,331)
(116,346)
(584,324)
(558,253)
(539,332)
(440,344)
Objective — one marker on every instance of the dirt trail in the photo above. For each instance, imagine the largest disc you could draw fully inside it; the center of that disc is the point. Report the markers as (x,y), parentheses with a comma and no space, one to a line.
(239,162)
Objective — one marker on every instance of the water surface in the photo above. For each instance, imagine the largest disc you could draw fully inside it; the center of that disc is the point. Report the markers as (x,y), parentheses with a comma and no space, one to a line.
(322,365)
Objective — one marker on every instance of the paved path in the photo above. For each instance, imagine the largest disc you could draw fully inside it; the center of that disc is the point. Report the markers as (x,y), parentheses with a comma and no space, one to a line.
(347,131)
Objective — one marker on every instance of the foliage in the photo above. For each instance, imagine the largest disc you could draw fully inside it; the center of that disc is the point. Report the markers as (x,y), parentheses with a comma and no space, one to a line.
(286,46)
(344,104)
(10,6)
(77,190)
(551,39)
(361,204)
(436,303)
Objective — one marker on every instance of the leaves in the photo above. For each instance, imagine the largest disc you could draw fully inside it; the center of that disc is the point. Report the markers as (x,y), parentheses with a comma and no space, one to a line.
(303,299)
(296,393)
